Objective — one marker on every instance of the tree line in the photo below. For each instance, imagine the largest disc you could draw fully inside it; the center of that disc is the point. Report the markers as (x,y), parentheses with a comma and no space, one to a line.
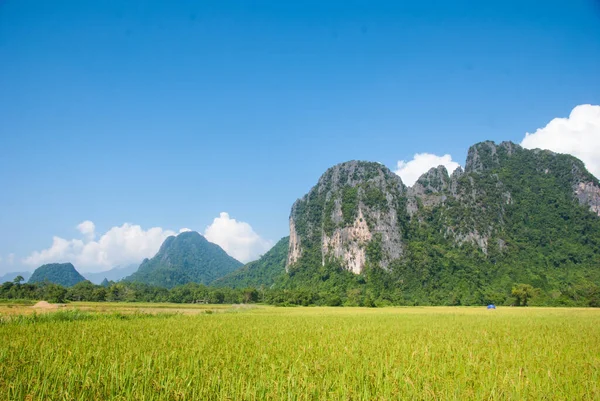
(521,295)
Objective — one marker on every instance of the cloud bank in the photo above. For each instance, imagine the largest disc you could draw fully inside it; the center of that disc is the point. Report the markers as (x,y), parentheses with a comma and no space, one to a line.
(237,238)
(421,163)
(130,243)
(122,245)
(577,135)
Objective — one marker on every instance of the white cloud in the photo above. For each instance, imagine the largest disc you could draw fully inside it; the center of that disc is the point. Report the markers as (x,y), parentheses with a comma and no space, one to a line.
(10,259)
(130,243)
(237,238)
(578,135)
(421,163)
(87,228)
(121,245)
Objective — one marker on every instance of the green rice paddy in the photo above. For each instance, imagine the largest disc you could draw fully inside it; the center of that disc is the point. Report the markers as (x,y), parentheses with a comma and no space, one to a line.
(162,352)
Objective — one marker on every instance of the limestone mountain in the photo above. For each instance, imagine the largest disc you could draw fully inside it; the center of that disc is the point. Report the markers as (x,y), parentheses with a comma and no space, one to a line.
(512,216)
(353,205)
(57,273)
(261,272)
(187,257)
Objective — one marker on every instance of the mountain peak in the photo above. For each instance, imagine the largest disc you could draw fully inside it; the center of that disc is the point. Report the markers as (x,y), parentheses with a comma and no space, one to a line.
(187,257)
(192,236)
(487,155)
(355,171)
(436,180)
(352,203)
(57,273)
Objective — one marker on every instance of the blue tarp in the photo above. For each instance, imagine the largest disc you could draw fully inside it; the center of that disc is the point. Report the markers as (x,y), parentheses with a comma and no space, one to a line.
(491,306)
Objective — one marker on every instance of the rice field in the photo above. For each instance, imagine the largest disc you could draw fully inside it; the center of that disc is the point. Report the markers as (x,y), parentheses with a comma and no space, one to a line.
(175,352)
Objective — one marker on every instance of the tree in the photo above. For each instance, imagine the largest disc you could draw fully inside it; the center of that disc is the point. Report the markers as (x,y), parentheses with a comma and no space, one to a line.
(522,293)
(55,293)
(18,279)
(250,295)
(81,291)
(368,301)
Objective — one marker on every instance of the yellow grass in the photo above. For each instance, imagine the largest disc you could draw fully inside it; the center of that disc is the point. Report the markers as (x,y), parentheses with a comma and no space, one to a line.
(429,353)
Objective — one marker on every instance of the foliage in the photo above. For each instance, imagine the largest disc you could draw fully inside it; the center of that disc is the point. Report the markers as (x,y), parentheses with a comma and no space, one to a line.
(374,198)
(186,258)
(129,292)
(58,273)
(349,204)
(523,293)
(374,251)
(262,272)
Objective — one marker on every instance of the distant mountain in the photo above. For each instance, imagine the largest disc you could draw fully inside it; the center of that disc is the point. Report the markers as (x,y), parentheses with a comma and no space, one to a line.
(114,274)
(12,275)
(263,271)
(57,273)
(186,258)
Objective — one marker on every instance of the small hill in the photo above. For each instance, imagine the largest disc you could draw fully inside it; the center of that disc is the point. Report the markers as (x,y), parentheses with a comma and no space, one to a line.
(186,258)
(57,273)
(263,271)
(12,275)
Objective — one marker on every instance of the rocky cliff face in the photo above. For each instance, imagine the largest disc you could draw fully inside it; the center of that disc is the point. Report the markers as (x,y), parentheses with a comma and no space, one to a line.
(360,212)
(588,193)
(432,188)
(486,155)
(352,205)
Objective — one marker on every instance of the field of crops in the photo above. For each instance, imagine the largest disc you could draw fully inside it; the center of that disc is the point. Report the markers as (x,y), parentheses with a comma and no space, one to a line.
(260,353)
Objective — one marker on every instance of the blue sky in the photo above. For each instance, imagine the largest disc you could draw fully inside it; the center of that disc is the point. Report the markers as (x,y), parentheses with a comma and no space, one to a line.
(165,114)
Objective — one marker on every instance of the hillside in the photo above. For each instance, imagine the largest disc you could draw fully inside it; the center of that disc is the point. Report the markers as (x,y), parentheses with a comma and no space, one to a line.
(57,273)
(512,216)
(187,257)
(261,272)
